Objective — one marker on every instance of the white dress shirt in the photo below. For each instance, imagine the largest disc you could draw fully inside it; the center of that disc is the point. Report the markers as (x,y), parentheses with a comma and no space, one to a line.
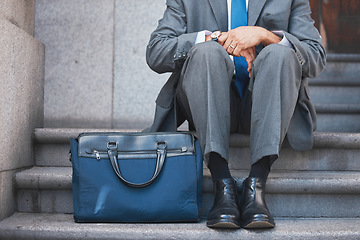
(201,35)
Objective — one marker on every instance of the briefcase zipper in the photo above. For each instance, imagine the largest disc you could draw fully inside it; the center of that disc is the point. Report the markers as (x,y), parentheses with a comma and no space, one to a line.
(98,153)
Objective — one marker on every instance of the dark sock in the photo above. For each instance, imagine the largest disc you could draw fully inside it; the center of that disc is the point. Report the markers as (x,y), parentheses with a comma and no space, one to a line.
(261,169)
(218,166)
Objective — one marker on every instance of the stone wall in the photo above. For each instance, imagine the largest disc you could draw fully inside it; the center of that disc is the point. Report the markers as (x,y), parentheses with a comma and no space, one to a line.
(21,94)
(21,13)
(95,71)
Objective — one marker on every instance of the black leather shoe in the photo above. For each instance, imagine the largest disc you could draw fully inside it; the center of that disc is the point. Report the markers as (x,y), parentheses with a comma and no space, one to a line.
(255,213)
(225,211)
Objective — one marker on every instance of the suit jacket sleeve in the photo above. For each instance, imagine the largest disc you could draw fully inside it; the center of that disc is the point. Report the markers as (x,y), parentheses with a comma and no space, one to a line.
(170,43)
(305,39)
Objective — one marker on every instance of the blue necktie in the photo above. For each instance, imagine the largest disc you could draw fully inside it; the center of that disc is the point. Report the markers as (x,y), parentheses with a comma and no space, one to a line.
(239,18)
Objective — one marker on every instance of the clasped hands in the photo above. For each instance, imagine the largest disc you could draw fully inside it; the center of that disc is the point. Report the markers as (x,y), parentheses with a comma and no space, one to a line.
(242,41)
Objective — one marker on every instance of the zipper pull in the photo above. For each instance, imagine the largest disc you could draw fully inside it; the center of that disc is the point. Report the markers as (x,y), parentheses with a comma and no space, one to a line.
(184,149)
(97,154)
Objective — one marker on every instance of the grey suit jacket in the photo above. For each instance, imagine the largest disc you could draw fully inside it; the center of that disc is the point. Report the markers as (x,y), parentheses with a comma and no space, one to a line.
(177,31)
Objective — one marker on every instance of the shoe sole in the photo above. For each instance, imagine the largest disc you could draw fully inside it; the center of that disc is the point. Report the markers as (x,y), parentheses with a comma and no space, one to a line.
(227,224)
(258,224)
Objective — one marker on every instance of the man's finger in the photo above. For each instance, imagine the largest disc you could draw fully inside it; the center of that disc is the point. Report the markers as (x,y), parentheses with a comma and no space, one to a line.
(252,52)
(227,44)
(247,56)
(222,38)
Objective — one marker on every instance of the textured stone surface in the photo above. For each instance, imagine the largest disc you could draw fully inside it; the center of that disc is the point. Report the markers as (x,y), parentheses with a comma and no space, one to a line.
(21,101)
(316,159)
(19,12)
(135,86)
(336,94)
(7,194)
(314,193)
(338,122)
(44,178)
(45,201)
(79,61)
(321,159)
(339,72)
(62,226)
(332,151)
(63,135)
(96,73)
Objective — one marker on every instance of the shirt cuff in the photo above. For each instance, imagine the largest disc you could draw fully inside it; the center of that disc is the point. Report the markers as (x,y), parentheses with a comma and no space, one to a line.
(284,41)
(201,36)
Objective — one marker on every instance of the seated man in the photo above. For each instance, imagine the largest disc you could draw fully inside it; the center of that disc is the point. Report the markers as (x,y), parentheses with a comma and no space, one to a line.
(238,66)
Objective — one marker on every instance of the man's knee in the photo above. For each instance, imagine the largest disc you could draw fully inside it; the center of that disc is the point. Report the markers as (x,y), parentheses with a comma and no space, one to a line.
(277,53)
(207,62)
(279,63)
(208,50)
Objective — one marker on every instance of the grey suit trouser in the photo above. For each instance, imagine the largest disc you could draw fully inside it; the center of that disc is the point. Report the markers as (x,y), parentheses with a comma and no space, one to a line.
(206,97)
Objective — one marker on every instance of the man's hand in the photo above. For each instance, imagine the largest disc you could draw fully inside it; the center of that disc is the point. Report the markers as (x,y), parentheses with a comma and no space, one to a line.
(238,39)
(249,55)
(242,41)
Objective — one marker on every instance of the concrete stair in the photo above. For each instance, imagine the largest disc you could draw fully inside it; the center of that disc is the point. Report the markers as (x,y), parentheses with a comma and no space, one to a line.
(309,193)
(336,94)
(61,226)
(312,194)
(304,179)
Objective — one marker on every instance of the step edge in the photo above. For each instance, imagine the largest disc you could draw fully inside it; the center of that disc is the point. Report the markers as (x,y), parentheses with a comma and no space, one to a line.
(337,108)
(321,140)
(342,57)
(334,82)
(63,135)
(43,226)
(327,182)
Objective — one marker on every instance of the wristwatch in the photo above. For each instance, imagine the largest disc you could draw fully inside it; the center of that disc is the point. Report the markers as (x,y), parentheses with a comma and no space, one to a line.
(215,35)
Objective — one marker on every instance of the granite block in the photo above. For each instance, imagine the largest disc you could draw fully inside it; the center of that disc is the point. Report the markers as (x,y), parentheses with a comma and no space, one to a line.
(7,194)
(343,123)
(314,205)
(52,155)
(21,101)
(20,13)
(45,201)
(338,73)
(335,94)
(55,201)
(135,84)
(28,201)
(304,205)
(79,61)
(62,226)
(317,159)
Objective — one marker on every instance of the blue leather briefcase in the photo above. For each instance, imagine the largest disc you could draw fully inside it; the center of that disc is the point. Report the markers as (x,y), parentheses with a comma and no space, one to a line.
(136,177)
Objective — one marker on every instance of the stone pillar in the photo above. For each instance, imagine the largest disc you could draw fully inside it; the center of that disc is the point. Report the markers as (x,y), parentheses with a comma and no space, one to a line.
(21,94)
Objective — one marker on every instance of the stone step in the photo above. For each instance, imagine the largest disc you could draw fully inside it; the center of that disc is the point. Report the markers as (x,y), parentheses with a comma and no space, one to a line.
(62,226)
(331,152)
(338,117)
(341,70)
(289,193)
(335,94)
(339,83)
(53,144)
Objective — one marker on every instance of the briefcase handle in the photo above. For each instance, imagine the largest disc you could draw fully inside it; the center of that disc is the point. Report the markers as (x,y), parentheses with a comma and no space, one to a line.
(160,159)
